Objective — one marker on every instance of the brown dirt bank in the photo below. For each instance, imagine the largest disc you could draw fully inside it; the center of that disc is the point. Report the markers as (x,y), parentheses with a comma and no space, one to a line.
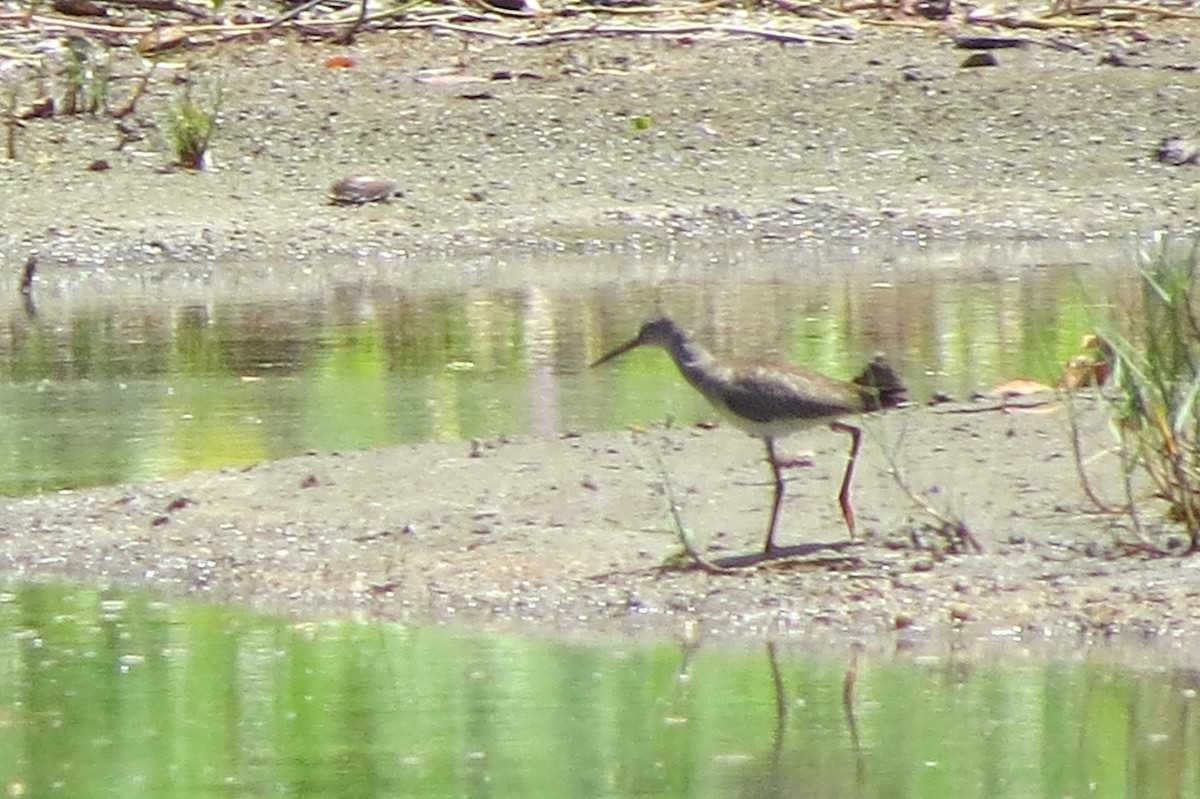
(565,537)
(887,136)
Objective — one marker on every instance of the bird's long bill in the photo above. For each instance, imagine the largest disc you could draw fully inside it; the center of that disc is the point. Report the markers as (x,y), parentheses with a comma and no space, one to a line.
(621,350)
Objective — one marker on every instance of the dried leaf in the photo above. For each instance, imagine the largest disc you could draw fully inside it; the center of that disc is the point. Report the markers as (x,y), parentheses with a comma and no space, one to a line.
(1018,387)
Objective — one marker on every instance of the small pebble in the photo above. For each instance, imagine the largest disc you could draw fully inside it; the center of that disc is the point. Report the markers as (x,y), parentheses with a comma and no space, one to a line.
(361,189)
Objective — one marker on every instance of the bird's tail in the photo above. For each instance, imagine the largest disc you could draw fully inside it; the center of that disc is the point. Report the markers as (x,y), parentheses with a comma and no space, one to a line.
(884,384)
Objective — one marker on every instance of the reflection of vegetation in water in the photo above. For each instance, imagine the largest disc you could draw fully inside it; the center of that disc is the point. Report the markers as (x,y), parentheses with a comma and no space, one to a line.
(109,693)
(349,388)
(1006,329)
(93,392)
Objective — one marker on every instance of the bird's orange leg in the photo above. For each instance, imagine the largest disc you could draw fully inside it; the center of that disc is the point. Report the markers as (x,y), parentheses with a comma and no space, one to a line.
(844,494)
(771,459)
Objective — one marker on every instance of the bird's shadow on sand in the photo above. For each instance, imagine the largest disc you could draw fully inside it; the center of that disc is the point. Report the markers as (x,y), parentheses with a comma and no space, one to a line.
(811,555)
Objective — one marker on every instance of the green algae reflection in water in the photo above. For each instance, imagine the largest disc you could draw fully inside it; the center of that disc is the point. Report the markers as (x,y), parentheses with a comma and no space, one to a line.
(100,388)
(116,695)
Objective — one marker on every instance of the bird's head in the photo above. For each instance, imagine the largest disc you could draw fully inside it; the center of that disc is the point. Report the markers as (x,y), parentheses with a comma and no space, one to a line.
(661,331)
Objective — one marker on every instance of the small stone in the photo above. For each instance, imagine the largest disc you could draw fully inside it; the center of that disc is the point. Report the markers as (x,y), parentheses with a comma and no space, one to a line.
(179,503)
(984,59)
(1178,151)
(960,612)
(361,189)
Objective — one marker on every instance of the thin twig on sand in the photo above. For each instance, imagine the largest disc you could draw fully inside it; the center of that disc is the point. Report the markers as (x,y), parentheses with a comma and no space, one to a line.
(677,522)
(948,525)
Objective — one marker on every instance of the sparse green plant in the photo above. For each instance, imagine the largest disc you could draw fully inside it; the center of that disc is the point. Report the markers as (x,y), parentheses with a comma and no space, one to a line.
(640,122)
(1155,387)
(88,77)
(191,126)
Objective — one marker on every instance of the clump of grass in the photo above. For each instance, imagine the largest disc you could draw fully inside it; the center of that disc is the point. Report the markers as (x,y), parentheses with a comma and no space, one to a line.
(1155,389)
(191,127)
(88,78)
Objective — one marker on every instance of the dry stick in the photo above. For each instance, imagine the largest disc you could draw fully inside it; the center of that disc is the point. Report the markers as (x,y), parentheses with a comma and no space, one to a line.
(43,21)
(902,23)
(1077,450)
(617,11)
(1134,516)
(450,27)
(779,36)
(1156,10)
(161,5)
(1181,485)
(677,522)
(14,55)
(948,521)
(587,31)
(1143,542)
(1043,24)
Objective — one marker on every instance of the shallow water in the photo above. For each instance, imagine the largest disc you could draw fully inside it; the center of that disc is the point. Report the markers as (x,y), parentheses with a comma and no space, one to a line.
(118,694)
(100,382)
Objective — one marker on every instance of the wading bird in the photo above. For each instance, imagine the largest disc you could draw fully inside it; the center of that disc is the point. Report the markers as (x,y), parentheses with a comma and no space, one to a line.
(769,400)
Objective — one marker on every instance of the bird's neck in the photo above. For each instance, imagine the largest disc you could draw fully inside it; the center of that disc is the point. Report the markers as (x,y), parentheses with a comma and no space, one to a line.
(694,362)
